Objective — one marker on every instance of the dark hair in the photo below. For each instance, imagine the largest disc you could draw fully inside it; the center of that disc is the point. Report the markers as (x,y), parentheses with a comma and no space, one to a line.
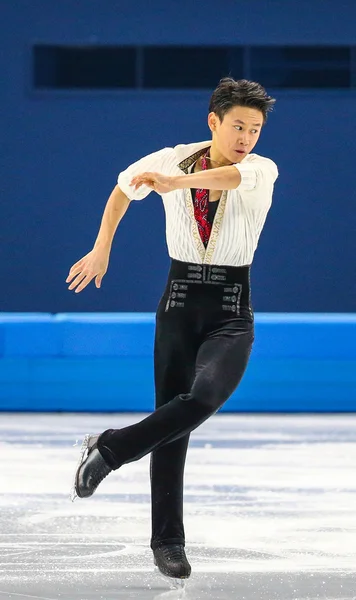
(242,92)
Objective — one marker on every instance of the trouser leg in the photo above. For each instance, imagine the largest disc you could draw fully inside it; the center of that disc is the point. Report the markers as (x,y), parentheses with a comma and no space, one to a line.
(175,353)
(221,362)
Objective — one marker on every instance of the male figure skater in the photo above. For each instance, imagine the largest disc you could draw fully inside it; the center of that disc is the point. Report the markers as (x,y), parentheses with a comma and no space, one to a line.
(216,196)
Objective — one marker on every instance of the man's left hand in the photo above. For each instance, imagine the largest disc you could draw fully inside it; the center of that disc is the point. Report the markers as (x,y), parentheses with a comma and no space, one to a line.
(162,184)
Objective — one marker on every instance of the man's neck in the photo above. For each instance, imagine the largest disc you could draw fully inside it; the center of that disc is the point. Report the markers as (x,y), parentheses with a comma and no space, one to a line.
(217,159)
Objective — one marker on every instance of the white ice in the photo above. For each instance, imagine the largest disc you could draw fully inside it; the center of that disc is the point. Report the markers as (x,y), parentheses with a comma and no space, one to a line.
(270,511)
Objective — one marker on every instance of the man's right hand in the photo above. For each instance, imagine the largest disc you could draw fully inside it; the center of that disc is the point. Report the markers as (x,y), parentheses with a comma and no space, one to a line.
(94,264)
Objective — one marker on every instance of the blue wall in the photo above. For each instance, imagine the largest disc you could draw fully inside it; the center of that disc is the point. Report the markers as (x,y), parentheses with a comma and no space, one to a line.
(61,152)
(104,362)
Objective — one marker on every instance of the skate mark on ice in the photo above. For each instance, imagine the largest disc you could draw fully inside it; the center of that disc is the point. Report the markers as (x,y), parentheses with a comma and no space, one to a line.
(10,594)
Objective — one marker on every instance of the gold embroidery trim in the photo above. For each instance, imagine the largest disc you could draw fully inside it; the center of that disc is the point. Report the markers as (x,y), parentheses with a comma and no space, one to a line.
(187,162)
(195,231)
(205,254)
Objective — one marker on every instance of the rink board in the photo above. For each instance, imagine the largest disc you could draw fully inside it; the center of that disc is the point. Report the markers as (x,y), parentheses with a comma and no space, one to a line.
(104,362)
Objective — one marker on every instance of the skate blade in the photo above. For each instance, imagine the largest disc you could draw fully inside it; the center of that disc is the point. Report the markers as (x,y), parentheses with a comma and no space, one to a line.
(172,595)
(82,457)
(174,582)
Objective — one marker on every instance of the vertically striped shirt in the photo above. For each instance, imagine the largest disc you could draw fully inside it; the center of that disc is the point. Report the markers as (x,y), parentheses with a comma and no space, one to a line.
(240,216)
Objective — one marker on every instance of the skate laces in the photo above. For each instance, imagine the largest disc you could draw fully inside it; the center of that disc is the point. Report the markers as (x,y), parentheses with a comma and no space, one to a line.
(174,552)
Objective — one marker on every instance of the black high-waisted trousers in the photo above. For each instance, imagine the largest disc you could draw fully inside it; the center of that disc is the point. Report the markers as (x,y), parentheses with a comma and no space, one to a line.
(204,336)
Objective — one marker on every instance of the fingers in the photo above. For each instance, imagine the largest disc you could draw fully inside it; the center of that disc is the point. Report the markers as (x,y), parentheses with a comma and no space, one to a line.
(82,280)
(143,179)
(145,175)
(76,281)
(84,283)
(79,278)
(76,268)
(73,274)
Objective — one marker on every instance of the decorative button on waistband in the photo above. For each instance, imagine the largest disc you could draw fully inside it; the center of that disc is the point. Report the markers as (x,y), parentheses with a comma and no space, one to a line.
(218,278)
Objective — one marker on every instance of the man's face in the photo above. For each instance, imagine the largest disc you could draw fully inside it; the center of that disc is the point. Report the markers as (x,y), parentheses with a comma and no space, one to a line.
(237,134)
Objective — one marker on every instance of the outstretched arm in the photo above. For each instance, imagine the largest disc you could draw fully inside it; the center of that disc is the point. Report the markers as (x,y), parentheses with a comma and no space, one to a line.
(95,263)
(223,178)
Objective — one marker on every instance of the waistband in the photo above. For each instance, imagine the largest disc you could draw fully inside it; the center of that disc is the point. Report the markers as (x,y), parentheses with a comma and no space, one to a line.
(212,274)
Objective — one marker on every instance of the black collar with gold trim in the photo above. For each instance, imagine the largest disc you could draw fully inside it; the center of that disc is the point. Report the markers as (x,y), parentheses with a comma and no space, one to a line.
(187,162)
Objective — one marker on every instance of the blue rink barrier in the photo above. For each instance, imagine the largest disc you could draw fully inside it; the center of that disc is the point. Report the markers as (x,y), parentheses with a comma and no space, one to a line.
(104,362)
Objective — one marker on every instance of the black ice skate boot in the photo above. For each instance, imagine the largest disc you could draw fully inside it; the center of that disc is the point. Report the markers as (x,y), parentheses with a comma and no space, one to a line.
(172,561)
(91,470)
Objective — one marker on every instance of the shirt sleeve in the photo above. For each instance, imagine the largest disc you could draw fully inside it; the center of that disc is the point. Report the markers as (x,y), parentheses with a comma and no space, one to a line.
(159,162)
(257,181)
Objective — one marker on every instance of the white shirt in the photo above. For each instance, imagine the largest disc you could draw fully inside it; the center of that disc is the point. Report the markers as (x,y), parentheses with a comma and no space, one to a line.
(240,215)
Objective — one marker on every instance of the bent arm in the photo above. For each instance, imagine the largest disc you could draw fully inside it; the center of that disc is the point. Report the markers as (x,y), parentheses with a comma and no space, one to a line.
(253,178)
(222,178)
(114,211)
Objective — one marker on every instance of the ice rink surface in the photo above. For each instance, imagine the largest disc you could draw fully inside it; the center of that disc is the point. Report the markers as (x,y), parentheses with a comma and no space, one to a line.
(270,512)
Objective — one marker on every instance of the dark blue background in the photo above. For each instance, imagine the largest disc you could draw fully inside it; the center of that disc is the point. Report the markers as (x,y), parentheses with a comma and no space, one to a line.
(62,150)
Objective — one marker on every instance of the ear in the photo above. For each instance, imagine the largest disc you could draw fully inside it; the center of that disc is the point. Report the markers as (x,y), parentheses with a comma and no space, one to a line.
(213,120)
